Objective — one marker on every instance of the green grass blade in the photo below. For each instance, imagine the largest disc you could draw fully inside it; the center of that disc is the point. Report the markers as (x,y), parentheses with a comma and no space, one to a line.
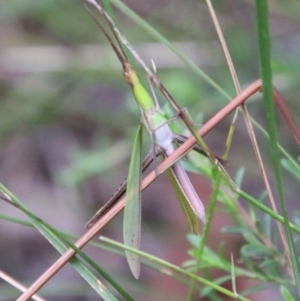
(54,239)
(108,8)
(141,23)
(93,264)
(132,210)
(266,72)
(205,234)
(286,294)
(267,210)
(64,236)
(169,268)
(290,167)
(189,213)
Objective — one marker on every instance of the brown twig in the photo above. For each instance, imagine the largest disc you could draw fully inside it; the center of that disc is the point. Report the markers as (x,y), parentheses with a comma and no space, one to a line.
(179,152)
(15,283)
(287,115)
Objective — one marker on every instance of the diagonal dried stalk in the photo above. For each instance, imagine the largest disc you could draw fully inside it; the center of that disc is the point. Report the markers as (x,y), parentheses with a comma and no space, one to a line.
(250,128)
(181,151)
(15,283)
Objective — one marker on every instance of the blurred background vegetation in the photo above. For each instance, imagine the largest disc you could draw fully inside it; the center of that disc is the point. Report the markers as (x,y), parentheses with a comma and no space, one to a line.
(67,120)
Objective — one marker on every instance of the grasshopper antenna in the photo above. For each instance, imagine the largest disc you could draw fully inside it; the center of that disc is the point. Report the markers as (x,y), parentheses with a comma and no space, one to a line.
(120,53)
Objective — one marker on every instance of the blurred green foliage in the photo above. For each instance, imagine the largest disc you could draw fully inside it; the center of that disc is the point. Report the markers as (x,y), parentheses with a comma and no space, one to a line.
(67,118)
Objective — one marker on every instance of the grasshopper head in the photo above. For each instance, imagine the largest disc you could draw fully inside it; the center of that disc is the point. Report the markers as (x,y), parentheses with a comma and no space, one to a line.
(130,75)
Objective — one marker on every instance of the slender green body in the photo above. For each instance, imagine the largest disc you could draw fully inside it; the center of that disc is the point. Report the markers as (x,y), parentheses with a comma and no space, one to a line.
(157,126)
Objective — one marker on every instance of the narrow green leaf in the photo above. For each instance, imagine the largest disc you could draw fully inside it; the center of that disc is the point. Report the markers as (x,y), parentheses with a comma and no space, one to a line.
(289,166)
(233,277)
(267,226)
(235,229)
(267,210)
(206,291)
(64,236)
(266,73)
(190,215)
(173,268)
(240,177)
(51,235)
(132,211)
(286,294)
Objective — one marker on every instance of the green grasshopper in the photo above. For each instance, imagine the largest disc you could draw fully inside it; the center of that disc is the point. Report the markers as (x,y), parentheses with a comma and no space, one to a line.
(158,128)
(149,158)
